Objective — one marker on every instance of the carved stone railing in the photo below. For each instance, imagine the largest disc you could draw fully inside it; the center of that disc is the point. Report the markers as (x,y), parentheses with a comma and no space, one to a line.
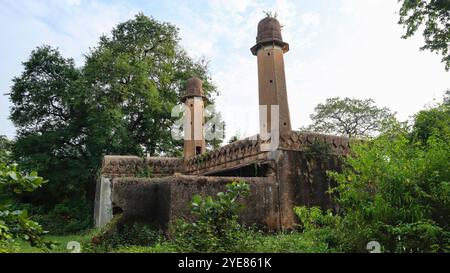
(233,155)
(300,141)
(248,151)
(133,166)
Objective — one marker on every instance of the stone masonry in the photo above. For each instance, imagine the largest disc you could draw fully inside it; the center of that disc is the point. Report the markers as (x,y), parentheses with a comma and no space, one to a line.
(158,190)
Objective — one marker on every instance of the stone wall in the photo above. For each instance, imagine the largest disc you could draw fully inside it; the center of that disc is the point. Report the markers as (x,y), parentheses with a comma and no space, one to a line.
(303,181)
(154,189)
(133,166)
(161,201)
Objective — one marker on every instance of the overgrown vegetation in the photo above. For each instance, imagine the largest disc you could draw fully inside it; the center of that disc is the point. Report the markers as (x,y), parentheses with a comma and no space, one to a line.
(216,227)
(394,189)
(16,224)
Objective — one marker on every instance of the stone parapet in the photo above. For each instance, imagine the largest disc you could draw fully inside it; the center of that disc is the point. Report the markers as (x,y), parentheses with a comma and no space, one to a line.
(236,154)
(301,141)
(133,166)
(162,201)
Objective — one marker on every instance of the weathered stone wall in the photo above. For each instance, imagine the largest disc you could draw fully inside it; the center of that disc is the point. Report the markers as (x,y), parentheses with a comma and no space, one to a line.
(303,181)
(163,200)
(248,151)
(133,166)
(295,175)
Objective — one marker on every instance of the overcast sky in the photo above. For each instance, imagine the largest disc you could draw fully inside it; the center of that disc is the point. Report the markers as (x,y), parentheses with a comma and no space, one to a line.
(345,48)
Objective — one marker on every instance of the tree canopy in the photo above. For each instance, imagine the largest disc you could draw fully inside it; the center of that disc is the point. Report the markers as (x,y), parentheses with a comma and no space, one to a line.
(118,102)
(349,117)
(5,149)
(434,17)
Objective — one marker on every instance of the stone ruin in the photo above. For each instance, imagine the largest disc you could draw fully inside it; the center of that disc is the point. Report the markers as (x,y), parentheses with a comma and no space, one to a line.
(291,174)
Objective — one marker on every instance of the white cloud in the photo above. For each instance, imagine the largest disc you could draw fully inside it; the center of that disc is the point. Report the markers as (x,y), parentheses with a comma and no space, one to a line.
(311,19)
(73,2)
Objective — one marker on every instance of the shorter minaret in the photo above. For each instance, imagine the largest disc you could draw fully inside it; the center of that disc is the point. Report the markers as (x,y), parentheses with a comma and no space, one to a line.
(194,123)
(269,50)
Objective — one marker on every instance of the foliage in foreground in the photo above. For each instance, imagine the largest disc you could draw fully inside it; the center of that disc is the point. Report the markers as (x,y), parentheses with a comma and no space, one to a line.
(216,227)
(394,189)
(16,224)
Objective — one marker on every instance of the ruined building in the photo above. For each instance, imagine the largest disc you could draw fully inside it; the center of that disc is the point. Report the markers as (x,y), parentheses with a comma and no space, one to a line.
(284,168)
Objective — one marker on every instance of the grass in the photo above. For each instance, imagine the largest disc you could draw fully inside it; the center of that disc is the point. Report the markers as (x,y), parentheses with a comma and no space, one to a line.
(60,242)
(294,242)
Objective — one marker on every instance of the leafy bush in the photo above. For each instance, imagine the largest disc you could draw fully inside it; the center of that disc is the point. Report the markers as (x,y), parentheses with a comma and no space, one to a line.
(312,218)
(17,224)
(216,228)
(320,226)
(394,189)
(135,235)
(397,191)
(114,236)
(68,217)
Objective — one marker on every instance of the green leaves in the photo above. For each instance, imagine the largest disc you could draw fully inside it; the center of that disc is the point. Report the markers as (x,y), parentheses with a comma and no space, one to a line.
(5,149)
(14,181)
(215,228)
(350,117)
(434,17)
(16,224)
(118,102)
(394,188)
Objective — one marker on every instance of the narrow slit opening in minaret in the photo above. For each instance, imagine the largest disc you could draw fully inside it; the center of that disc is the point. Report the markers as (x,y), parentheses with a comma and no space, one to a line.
(198,150)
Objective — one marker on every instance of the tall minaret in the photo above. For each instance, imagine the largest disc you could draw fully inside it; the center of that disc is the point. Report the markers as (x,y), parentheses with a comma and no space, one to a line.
(269,50)
(194,138)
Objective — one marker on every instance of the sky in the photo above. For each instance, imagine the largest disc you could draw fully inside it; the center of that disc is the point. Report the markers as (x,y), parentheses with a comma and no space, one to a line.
(338,48)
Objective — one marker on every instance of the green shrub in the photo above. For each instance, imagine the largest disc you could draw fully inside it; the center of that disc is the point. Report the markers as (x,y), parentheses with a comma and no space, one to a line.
(216,228)
(322,227)
(112,237)
(68,217)
(137,234)
(16,224)
(395,190)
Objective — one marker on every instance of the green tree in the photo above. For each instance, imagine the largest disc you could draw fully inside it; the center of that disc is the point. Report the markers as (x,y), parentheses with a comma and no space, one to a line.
(5,149)
(434,17)
(349,117)
(138,75)
(118,102)
(432,122)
